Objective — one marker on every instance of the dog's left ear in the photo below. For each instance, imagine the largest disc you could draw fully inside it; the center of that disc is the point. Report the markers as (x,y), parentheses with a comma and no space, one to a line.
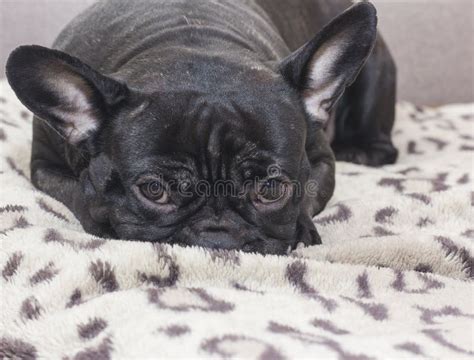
(69,95)
(326,65)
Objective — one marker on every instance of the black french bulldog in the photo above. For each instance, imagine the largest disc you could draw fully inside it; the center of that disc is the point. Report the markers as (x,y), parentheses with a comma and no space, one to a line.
(142,100)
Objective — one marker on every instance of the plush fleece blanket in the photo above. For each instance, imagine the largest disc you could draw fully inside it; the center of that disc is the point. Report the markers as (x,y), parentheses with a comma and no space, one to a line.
(392,280)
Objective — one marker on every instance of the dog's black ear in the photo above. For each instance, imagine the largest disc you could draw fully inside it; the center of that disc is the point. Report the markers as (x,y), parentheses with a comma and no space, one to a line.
(326,65)
(60,89)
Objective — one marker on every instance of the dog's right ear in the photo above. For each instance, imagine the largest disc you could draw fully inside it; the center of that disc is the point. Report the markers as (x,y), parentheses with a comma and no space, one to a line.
(326,65)
(62,90)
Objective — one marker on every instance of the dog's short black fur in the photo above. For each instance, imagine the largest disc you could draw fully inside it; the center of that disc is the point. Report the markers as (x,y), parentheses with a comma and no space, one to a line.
(142,100)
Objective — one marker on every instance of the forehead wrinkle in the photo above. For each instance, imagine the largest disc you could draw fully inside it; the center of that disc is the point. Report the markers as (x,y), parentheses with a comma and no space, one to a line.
(213,150)
(224,143)
(156,164)
(210,125)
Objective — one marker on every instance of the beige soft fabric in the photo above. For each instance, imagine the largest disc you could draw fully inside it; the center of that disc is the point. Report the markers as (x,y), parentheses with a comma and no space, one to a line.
(392,280)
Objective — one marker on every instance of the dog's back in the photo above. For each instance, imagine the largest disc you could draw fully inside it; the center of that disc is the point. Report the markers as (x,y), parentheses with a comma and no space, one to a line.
(111,32)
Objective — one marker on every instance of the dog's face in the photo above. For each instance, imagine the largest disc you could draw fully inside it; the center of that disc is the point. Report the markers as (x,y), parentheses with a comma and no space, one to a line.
(221,166)
(211,170)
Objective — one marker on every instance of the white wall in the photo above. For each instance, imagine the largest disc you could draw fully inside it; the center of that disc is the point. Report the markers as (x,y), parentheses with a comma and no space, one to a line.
(432,40)
(433,44)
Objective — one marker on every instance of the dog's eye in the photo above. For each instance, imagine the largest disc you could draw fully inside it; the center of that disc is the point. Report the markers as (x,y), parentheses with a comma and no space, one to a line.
(272,191)
(155,192)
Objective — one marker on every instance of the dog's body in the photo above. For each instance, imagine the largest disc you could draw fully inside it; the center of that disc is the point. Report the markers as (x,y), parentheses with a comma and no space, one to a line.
(192,90)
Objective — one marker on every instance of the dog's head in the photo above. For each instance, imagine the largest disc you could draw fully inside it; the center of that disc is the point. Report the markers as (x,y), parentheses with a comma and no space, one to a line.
(201,161)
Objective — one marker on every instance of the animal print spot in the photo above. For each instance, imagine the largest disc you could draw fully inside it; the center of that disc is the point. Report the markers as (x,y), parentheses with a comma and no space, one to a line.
(419,109)
(184,300)
(25,115)
(104,275)
(329,327)
(351,173)
(53,236)
(228,257)
(424,268)
(309,338)
(91,329)
(425,199)
(469,233)
(20,223)
(381,232)
(295,273)
(428,315)
(466,137)
(377,311)
(429,284)
(239,286)
(440,144)
(162,281)
(439,183)
(412,148)
(364,286)
(342,214)
(175,330)
(16,349)
(8,123)
(384,216)
(447,125)
(409,170)
(466,148)
(101,352)
(15,168)
(12,265)
(424,222)
(75,299)
(44,274)
(240,346)
(463,179)
(436,335)
(397,184)
(30,309)
(48,208)
(452,250)
(410,347)
(12,208)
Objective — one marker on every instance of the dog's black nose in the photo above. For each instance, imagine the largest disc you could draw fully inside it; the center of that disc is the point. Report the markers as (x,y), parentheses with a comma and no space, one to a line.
(213,239)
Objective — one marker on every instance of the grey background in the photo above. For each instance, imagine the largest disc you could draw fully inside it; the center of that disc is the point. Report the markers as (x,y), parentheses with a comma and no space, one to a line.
(431,40)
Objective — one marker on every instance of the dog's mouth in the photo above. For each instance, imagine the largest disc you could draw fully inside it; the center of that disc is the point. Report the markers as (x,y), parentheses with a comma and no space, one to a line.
(215,236)
(212,237)
(206,234)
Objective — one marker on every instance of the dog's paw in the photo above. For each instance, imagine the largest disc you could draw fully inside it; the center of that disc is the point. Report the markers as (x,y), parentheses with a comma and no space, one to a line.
(370,156)
(307,234)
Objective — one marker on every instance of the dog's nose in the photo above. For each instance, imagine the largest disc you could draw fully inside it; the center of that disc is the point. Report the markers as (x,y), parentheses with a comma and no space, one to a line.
(216,240)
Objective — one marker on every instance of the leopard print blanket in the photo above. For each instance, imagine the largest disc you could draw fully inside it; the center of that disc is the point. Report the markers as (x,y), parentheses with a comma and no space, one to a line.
(392,280)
